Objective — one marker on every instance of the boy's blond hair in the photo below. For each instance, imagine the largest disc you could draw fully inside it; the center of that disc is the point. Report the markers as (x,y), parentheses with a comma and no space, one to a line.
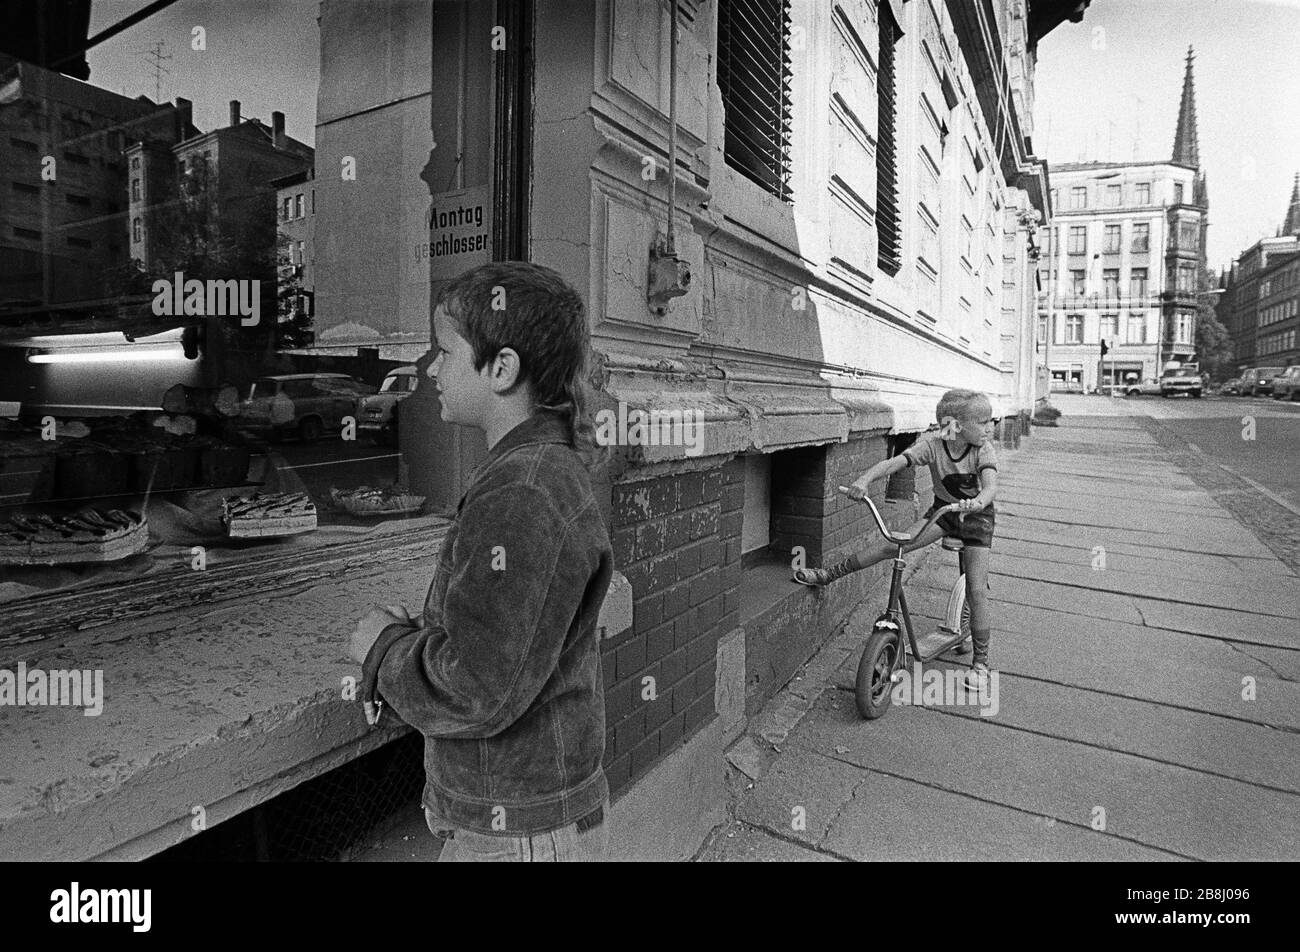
(961,405)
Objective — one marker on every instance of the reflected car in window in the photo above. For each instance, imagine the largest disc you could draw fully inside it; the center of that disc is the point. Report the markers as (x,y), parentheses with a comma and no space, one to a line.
(307,406)
(378,413)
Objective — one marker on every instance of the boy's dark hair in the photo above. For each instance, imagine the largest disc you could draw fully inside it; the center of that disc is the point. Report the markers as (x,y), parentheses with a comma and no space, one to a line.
(535,312)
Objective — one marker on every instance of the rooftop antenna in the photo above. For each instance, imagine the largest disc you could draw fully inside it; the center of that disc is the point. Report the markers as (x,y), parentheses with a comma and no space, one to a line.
(156,59)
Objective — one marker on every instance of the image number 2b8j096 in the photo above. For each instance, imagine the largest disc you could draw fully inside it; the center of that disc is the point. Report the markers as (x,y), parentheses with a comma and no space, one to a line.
(882,656)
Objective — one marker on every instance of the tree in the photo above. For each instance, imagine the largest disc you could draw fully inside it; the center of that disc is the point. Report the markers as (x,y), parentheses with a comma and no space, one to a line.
(293,317)
(1214,350)
(238,241)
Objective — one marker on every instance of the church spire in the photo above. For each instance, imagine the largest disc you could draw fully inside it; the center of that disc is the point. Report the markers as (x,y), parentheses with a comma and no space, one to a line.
(1291,226)
(1186,149)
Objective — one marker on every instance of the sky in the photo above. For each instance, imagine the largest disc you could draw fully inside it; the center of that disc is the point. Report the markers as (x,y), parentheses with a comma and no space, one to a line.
(1106,88)
(265,53)
(1124,64)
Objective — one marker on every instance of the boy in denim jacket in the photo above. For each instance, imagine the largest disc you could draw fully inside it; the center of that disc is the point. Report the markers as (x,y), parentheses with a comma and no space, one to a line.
(500,671)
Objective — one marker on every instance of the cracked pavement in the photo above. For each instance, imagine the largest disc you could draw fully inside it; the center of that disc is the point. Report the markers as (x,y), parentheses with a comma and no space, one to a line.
(1148,649)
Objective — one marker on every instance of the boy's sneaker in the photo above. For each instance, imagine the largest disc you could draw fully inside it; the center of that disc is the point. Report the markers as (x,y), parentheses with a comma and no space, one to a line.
(977,678)
(813,577)
(963,647)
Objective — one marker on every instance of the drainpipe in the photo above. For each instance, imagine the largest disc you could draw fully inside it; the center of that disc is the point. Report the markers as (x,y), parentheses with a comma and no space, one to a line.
(672,130)
(669,276)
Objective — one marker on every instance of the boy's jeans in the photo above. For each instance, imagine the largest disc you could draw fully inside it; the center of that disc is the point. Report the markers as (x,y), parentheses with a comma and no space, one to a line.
(566,844)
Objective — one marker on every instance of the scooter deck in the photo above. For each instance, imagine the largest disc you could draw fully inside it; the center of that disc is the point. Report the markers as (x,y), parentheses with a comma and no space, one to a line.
(936,642)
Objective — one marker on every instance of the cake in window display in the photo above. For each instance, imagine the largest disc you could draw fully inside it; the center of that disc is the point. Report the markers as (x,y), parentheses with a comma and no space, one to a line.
(93,493)
(268,515)
(90,535)
(371,501)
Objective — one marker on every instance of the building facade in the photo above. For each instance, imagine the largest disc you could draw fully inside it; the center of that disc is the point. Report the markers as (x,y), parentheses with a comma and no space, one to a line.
(1123,264)
(295,209)
(230,168)
(65,183)
(1260,305)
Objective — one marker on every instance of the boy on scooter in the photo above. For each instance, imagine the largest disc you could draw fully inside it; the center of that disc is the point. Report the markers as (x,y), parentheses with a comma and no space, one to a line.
(964,469)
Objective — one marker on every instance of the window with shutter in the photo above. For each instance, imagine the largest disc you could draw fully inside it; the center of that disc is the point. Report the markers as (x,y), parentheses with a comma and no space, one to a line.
(754,76)
(889,255)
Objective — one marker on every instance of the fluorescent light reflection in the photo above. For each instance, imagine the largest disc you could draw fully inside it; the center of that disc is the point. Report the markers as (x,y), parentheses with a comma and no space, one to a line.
(125,356)
(109,347)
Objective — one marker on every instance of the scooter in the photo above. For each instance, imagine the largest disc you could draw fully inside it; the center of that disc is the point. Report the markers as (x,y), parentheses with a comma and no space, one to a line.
(883,658)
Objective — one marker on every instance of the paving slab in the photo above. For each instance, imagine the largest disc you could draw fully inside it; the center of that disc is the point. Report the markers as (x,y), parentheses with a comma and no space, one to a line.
(1116,540)
(1161,668)
(1186,567)
(1024,524)
(1089,497)
(1155,533)
(1014,601)
(1164,806)
(741,843)
(1250,752)
(800,795)
(897,820)
(1276,598)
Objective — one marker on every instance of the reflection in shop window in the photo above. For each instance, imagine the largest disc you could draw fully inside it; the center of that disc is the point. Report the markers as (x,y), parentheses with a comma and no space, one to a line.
(133,431)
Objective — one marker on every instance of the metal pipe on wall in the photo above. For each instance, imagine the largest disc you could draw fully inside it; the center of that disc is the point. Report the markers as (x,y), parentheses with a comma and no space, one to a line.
(672,128)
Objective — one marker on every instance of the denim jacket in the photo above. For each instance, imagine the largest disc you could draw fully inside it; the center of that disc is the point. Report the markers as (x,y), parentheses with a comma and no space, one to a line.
(503,675)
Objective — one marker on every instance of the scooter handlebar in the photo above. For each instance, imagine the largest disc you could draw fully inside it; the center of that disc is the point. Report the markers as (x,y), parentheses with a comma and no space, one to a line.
(884,529)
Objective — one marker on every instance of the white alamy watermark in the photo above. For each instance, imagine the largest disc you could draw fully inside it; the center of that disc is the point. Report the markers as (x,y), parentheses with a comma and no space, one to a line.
(78,905)
(945,688)
(211,298)
(34,687)
(638,427)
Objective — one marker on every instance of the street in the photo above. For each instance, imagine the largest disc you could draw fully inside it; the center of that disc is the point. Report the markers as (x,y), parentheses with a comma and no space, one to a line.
(1218,429)
(1148,651)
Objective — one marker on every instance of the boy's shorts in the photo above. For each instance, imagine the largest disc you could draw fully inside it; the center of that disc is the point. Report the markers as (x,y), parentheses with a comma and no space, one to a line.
(973,528)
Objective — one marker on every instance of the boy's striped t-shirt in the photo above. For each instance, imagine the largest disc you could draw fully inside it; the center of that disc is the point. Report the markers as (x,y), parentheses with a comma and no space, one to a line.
(956,476)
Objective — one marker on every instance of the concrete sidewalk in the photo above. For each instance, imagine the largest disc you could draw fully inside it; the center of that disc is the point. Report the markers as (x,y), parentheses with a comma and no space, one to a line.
(1131,615)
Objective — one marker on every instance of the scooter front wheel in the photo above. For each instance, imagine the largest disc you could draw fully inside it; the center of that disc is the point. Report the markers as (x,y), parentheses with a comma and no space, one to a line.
(875,671)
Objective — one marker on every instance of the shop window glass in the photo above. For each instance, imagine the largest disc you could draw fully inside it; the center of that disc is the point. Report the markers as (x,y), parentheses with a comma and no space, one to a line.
(138,432)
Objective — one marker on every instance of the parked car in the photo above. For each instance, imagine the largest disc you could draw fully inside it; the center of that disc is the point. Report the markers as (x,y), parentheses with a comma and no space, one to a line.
(1231,387)
(379,412)
(1181,380)
(1258,380)
(1287,386)
(303,405)
(1142,388)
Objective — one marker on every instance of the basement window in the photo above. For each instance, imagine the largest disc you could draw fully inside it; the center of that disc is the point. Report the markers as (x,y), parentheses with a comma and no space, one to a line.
(785,508)
(756,527)
(902,484)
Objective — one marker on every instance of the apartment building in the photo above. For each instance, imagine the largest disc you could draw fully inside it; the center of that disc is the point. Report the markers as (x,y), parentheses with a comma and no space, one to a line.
(1122,263)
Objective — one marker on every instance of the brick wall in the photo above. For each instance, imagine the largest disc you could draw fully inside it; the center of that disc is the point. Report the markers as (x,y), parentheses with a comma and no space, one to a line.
(677,539)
